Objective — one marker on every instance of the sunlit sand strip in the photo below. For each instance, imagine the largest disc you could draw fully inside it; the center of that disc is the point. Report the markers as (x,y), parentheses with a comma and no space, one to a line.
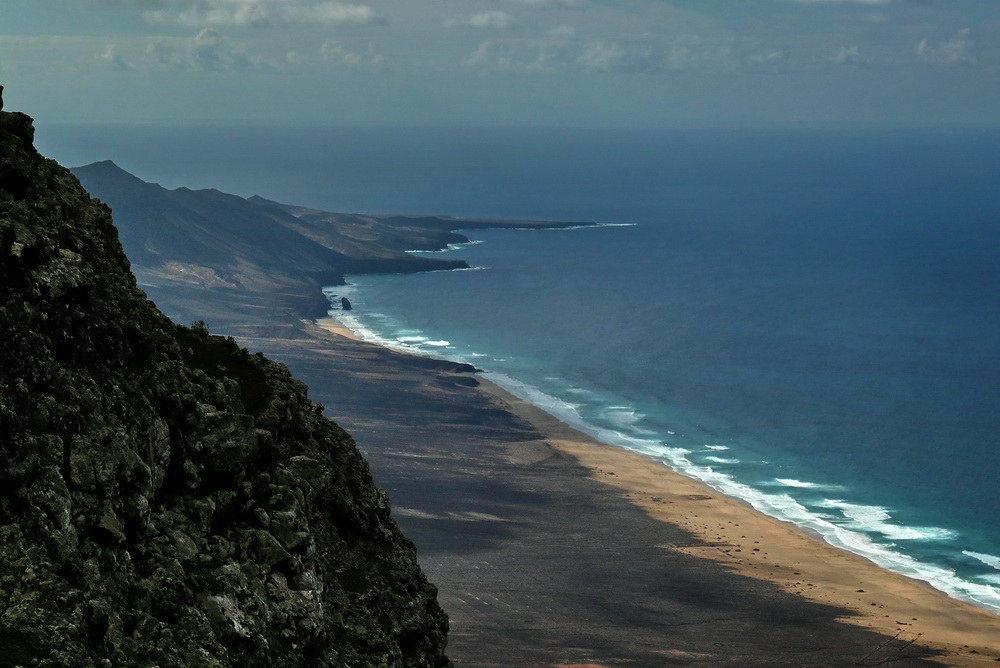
(334,326)
(762,547)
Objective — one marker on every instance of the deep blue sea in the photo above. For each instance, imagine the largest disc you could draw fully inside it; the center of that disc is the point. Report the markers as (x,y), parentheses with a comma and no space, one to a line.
(808,320)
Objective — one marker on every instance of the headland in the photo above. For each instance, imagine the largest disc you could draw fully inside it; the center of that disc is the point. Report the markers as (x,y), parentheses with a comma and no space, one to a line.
(548,548)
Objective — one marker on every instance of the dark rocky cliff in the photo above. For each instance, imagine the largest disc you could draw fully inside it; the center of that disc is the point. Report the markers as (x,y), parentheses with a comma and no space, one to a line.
(167,498)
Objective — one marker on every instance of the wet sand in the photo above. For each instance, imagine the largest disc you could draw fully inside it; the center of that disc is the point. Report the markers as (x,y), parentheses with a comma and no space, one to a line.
(551,549)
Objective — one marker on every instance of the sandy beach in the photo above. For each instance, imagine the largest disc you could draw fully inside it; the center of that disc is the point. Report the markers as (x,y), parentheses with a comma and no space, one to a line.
(552,549)
(760,546)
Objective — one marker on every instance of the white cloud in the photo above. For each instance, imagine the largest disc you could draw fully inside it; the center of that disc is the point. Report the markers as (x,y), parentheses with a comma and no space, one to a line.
(497,20)
(953,51)
(613,57)
(112,57)
(846,2)
(246,13)
(330,13)
(516,55)
(768,56)
(602,56)
(343,56)
(562,32)
(335,52)
(163,52)
(210,51)
(847,55)
(641,56)
(138,3)
(571,4)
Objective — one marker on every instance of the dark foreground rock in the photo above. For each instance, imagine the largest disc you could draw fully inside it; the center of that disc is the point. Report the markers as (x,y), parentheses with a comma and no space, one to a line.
(167,498)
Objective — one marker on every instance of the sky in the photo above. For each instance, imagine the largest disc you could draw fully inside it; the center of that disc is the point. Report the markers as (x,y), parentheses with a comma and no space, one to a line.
(588,63)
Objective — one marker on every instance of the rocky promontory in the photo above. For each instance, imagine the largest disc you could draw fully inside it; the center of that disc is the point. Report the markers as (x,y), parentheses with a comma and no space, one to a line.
(253,265)
(166,497)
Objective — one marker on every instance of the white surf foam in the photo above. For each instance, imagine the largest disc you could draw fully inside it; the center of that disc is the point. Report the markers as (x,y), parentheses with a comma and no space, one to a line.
(855,527)
(988,559)
(627,418)
(791,482)
(858,534)
(449,248)
(875,519)
(722,460)
(803,484)
(362,332)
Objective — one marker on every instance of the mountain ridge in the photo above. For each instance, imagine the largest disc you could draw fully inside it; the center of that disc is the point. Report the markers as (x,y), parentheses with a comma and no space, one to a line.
(247,255)
(166,497)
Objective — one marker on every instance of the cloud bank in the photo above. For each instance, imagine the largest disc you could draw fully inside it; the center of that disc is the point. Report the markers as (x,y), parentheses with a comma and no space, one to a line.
(257,13)
(496,20)
(954,51)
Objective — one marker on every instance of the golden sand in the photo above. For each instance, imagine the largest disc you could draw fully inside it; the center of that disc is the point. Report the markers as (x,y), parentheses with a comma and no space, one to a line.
(763,547)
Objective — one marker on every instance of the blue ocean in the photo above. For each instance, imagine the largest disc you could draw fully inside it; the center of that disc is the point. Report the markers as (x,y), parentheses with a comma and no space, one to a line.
(806,319)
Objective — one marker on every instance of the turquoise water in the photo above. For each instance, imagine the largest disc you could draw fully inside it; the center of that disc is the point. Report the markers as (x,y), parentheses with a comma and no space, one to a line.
(805,320)
(818,416)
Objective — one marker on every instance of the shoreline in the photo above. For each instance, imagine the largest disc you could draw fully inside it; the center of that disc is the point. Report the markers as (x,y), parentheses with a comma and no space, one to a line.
(767,548)
(748,542)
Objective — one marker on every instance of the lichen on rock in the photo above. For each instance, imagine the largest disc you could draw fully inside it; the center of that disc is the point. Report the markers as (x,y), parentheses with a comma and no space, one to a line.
(166,497)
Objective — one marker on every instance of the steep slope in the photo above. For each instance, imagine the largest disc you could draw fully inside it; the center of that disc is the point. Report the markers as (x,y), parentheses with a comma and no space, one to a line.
(246,257)
(167,498)
(242,255)
(215,229)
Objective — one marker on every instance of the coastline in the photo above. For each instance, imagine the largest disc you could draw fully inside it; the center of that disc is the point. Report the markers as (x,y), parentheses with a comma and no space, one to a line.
(763,547)
(548,547)
(745,541)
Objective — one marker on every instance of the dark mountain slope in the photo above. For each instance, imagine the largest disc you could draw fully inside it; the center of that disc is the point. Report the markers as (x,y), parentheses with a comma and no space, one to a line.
(244,255)
(167,498)
(247,256)
(222,229)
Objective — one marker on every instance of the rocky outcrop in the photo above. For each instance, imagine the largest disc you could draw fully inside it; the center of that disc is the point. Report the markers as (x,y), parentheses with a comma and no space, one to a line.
(167,498)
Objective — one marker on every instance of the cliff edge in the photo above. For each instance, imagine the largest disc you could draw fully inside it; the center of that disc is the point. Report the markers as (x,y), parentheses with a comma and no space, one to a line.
(167,498)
